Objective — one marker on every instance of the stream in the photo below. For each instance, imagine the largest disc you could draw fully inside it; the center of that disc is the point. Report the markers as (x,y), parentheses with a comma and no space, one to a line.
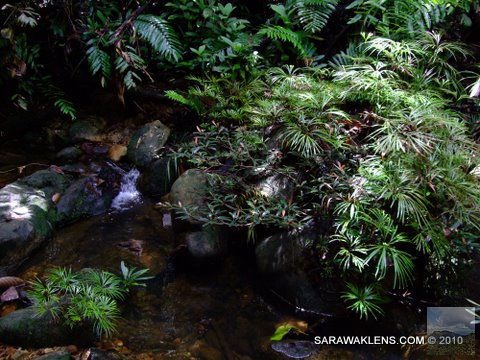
(208,309)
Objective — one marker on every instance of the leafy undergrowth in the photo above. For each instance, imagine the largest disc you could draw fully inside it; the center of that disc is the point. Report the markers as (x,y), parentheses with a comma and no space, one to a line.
(368,145)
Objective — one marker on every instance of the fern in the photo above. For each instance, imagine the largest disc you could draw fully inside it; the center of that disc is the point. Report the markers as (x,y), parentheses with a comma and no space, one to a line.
(158,33)
(401,17)
(276,32)
(57,97)
(314,14)
(99,60)
(194,103)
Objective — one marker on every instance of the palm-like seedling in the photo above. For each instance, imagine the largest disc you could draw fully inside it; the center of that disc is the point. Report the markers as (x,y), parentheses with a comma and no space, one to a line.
(88,297)
(363,300)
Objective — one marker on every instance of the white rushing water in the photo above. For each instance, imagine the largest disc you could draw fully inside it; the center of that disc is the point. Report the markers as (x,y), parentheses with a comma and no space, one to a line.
(129,194)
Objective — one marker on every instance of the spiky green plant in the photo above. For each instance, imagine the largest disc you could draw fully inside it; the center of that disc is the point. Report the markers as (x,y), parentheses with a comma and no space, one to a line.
(365,301)
(85,298)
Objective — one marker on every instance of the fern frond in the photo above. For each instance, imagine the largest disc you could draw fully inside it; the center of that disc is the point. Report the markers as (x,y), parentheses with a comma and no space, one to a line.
(296,39)
(57,97)
(314,14)
(99,60)
(157,32)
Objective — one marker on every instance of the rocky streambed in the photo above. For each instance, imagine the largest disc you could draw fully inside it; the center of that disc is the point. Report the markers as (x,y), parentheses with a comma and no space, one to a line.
(213,296)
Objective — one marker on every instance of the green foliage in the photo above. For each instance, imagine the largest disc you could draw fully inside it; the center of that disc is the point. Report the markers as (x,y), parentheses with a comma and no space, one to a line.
(406,18)
(363,300)
(393,175)
(282,330)
(86,298)
(21,68)
(158,33)
(218,41)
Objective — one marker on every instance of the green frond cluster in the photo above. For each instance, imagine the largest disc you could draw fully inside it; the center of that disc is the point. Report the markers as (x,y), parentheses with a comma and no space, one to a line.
(296,39)
(313,15)
(364,300)
(89,297)
(158,33)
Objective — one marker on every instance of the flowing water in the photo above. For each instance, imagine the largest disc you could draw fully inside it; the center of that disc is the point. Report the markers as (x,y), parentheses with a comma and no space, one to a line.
(186,309)
(129,194)
(190,310)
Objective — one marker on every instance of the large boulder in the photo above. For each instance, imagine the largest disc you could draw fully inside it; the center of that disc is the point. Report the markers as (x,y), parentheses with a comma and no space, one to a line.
(189,189)
(27,215)
(26,328)
(158,178)
(146,143)
(48,181)
(85,197)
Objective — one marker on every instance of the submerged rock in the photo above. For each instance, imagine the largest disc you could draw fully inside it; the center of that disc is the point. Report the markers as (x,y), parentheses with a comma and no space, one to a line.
(146,143)
(283,252)
(56,355)
(295,349)
(282,261)
(204,244)
(26,328)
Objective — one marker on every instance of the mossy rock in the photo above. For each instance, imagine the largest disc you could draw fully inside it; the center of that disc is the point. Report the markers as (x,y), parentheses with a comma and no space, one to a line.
(48,181)
(146,143)
(82,199)
(27,218)
(189,190)
(26,328)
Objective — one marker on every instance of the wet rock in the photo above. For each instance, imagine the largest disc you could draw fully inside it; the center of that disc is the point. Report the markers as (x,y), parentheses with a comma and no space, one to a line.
(278,185)
(204,244)
(55,355)
(69,154)
(116,152)
(10,294)
(82,130)
(158,178)
(189,189)
(25,327)
(282,261)
(95,149)
(48,181)
(83,198)
(146,143)
(295,349)
(99,354)
(27,215)
(283,252)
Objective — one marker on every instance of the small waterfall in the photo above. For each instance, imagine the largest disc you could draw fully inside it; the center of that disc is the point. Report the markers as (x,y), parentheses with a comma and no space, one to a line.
(128,195)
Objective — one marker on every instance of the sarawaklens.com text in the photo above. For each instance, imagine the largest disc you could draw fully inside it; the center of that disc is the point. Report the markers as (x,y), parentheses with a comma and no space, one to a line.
(369,340)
